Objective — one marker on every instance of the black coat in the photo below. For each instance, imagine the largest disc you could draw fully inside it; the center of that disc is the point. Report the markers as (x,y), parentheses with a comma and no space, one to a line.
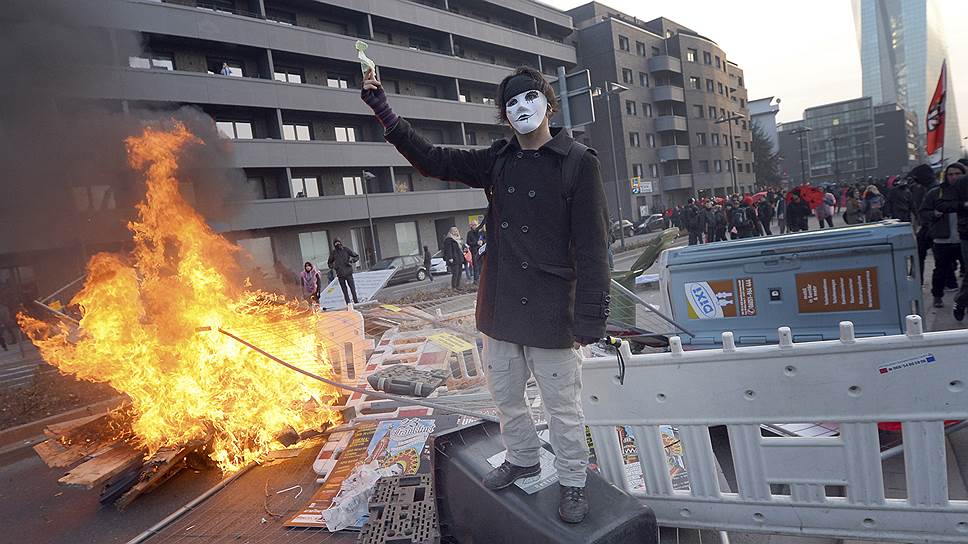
(341,261)
(544,276)
(956,202)
(452,253)
(797,214)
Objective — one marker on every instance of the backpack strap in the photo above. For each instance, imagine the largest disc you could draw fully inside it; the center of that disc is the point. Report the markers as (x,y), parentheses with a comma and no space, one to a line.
(570,167)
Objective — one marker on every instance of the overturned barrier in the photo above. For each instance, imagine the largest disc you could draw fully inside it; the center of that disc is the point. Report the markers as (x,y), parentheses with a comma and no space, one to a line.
(826,486)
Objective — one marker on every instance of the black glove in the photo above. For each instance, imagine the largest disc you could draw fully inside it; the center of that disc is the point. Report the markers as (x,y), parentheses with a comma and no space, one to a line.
(585,340)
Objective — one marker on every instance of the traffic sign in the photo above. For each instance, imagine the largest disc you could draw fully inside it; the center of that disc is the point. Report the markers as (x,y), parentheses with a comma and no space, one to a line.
(634,182)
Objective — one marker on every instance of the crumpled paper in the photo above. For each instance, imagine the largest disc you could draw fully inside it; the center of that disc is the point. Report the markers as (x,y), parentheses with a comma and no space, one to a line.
(352,501)
(365,62)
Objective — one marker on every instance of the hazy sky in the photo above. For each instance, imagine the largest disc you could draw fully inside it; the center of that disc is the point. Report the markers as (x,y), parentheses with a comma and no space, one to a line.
(801,51)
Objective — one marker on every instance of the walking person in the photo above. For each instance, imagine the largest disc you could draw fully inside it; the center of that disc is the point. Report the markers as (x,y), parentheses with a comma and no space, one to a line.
(428,263)
(797,212)
(453,256)
(544,282)
(692,221)
(956,201)
(311,283)
(765,214)
(468,263)
(943,228)
(825,211)
(744,218)
(852,212)
(341,259)
(924,180)
(475,238)
(872,205)
(780,209)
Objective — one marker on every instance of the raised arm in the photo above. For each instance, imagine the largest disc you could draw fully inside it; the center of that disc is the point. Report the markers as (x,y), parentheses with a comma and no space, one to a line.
(589,231)
(471,167)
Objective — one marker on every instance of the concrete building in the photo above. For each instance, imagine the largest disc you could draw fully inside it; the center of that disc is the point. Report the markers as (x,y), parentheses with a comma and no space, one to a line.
(763,112)
(664,126)
(902,46)
(290,103)
(792,141)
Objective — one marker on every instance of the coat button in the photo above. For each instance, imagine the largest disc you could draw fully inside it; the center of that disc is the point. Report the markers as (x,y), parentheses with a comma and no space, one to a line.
(524,228)
(536,154)
(524,300)
(519,155)
(504,224)
(524,265)
(531,193)
(511,189)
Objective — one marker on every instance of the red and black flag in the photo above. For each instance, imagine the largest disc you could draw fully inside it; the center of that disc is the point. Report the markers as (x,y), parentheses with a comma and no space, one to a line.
(934,145)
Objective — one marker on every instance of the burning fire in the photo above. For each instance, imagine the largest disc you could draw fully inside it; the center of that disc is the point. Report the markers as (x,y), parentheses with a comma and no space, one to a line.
(141,316)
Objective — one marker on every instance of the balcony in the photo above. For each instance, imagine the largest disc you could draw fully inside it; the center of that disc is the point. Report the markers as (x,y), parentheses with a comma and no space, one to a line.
(200,88)
(674,183)
(176,20)
(670,122)
(674,153)
(668,92)
(665,63)
(260,214)
(282,153)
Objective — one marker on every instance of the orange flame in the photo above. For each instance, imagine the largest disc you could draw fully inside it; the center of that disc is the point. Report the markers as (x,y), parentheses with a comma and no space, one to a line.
(139,329)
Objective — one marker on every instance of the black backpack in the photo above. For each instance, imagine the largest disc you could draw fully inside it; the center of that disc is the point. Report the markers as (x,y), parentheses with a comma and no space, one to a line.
(741,219)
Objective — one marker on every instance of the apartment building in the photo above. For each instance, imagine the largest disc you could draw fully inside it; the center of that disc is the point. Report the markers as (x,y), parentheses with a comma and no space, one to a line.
(281,80)
(664,126)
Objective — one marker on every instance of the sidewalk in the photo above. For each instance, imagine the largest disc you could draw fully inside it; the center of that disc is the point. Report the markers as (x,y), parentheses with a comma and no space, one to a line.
(19,364)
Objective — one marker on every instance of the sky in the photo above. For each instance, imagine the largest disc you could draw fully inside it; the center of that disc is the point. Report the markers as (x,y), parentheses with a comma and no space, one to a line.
(804,52)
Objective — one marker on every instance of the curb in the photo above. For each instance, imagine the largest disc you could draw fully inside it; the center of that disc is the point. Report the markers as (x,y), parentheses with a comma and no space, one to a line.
(15,440)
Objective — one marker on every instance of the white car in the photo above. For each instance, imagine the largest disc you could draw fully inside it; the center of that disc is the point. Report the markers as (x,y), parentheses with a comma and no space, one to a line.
(437,264)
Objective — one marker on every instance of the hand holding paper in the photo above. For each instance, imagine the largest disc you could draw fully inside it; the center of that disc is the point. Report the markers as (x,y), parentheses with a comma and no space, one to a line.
(365,62)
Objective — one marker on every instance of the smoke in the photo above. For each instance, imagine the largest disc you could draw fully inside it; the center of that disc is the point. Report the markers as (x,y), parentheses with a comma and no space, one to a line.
(64,176)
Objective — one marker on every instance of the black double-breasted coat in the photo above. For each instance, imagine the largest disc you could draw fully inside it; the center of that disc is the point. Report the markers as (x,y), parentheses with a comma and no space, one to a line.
(544,277)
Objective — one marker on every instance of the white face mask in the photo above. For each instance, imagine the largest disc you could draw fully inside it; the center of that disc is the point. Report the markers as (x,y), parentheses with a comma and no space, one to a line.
(526,110)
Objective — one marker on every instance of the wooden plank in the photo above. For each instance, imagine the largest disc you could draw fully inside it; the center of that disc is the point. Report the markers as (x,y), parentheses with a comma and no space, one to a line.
(157,470)
(99,469)
(57,430)
(57,455)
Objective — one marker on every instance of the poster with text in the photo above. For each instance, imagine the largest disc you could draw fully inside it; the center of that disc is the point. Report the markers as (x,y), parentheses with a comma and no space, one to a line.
(838,291)
(717,299)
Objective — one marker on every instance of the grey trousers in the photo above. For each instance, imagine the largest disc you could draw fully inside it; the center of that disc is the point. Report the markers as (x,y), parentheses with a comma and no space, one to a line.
(508,367)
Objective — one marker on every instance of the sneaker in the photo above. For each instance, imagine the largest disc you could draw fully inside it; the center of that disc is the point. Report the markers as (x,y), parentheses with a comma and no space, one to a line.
(938,302)
(959,312)
(572,504)
(507,474)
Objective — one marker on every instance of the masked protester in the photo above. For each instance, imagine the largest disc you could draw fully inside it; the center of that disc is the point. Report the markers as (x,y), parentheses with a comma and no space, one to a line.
(341,259)
(311,283)
(956,201)
(943,229)
(544,272)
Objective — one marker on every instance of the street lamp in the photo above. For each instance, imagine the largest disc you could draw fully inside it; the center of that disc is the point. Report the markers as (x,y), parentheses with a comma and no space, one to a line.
(729,119)
(610,89)
(803,169)
(366,195)
(833,141)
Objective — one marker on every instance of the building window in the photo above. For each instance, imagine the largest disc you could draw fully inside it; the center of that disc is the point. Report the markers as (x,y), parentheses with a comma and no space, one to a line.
(695,82)
(352,185)
(692,55)
(712,112)
(298,132)
(233,68)
(460,97)
(748,168)
(718,166)
(697,111)
(407,241)
(634,139)
(700,138)
(238,130)
(471,138)
(719,63)
(640,49)
(627,76)
(288,75)
(746,146)
(337,80)
(650,140)
(156,61)
(314,247)
(725,140)
(739,144)
(637,170)
(403,183)
(643,79)
(656,52)
(654,170)
(710,86)
(623,43)
(742,102)
(707,58)
(282,17)
(647,109)
(305,187)
(740,81)
(729,166)
(704,167)
(346,134)
(714,138)
(743,124)
(630,107)
(489,100)
(719,87)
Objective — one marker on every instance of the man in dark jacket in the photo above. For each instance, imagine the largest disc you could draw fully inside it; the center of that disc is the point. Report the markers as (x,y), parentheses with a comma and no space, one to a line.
(797,212)
(900,202)
(341,260)
(956,201)
(744,218)
(692,221)
(764,211)
(474,240)
(923,179)
(943,229)
(544,274)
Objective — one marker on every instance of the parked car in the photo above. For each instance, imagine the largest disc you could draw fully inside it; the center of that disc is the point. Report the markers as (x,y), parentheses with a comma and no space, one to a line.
(651,223)
(407,268)
(438,266)
(626,226)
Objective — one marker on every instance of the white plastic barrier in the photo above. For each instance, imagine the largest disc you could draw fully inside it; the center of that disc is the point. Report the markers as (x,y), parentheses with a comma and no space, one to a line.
(918,379)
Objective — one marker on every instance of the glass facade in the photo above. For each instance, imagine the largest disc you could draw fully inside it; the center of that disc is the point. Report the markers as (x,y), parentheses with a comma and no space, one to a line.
(902,47)
(840,144)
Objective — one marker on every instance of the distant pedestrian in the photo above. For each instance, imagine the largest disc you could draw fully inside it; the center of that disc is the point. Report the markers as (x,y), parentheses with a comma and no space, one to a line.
(468,263)
(453,256)
(781,215)
(341,259)
(900,202)
(475,238)
(764,211)
(311,283)
(744,218)
(225,71)
(719,224)
(825,210)
(943,228)
(852,212)
(692,221)
(797,212)
(872,205)
(428,263)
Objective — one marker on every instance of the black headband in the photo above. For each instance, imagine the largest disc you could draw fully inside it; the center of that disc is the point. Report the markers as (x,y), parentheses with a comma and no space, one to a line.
(519,84)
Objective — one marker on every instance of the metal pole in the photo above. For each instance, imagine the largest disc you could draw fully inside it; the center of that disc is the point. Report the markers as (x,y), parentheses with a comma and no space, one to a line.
(803,168)
(563,100)
(833,140)
(369,217)
(732,153)
(611,136)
